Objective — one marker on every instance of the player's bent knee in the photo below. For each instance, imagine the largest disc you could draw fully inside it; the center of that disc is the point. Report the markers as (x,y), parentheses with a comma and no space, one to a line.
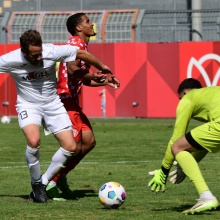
(92,145)
(175,149)
(70,147)
(33,142)
(66,152)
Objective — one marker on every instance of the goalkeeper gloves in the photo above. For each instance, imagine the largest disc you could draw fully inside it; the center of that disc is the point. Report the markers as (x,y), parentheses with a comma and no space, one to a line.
(158,183)
(177,176)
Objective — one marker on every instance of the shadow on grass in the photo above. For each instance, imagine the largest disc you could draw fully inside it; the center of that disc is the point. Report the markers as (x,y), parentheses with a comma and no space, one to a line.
(77,194)
(24,197)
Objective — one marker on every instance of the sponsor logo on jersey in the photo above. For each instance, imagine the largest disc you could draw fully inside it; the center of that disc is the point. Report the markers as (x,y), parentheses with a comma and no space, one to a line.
(199,65)
(35,75)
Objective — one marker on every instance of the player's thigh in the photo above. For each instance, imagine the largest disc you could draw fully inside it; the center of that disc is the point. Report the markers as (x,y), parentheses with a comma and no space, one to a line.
(182,145)
(88,141)
(32,134)
(56,117)
(207,136)
(88,137)
(29,119)
(76,120)
(66,140)
(82,131)
(29,115)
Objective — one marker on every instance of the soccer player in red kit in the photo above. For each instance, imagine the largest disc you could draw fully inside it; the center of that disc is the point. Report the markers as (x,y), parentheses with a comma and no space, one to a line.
(72,76)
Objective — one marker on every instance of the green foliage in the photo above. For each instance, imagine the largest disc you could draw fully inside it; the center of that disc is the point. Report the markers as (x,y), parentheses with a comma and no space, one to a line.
(126,150)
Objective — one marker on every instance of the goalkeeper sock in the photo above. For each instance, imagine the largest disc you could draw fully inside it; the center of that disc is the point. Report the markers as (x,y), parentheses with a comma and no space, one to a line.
(207,195)
(191,169)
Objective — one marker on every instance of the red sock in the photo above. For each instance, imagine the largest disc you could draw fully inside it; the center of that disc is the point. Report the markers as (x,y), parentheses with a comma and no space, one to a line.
(71,165)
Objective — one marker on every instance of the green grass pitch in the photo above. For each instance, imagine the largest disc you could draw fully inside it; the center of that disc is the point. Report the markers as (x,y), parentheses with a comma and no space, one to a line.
(126,150)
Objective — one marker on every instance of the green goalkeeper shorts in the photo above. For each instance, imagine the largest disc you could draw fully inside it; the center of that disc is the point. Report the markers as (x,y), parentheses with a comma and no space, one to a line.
(205,136)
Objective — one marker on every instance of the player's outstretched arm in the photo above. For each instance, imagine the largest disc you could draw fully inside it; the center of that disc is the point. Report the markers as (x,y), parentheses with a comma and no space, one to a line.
(74,69)
(111,81)
(158,182)
(94,61)
(90,79)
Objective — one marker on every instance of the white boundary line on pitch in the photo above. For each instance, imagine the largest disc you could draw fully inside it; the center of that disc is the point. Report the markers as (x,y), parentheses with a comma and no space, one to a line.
(97,163)
(85,163)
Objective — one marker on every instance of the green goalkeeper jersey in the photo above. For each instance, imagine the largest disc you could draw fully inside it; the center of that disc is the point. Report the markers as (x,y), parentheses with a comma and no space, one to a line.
(200,104)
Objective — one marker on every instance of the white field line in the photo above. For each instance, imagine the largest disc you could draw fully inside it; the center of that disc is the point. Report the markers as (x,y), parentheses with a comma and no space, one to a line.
(82,163)
(97,163)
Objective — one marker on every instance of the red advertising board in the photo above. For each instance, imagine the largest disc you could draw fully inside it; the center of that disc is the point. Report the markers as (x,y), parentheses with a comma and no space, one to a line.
(149,74)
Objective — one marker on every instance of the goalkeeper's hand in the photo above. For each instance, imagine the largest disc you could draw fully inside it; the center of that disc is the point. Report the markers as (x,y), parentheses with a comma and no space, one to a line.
(177,176)
(158,183)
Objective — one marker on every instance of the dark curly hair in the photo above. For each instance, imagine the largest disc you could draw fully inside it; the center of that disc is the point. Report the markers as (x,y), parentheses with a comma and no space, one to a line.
(73,21)
(189,83)
(30,37)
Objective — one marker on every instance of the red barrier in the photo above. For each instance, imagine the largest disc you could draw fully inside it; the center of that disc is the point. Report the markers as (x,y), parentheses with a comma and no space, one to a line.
(7,86)
(149,73)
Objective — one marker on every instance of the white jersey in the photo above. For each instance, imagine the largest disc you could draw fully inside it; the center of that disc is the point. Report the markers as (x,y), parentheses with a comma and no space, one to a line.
(36,84)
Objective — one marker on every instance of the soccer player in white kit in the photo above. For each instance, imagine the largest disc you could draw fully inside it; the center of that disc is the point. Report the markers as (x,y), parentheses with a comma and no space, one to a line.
(33,69)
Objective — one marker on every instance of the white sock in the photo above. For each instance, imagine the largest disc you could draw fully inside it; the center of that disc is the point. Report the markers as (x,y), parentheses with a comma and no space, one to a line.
(32,157)
(207,195)
(58,162)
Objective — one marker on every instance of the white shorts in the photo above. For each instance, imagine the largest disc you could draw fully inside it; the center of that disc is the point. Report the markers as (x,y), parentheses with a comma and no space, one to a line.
(53,113)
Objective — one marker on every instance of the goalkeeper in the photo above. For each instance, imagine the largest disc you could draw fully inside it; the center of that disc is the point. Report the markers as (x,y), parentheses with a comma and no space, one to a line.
(202,104)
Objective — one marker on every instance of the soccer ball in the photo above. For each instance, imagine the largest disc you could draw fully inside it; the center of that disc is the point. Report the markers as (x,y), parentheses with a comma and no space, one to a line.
(5,120)
(112,195)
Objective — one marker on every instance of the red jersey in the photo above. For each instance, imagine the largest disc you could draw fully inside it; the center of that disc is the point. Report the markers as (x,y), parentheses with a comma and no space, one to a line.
(67,85)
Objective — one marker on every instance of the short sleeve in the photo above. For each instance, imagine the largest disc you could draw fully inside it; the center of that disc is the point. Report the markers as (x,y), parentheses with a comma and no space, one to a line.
(3,64)
(65,53)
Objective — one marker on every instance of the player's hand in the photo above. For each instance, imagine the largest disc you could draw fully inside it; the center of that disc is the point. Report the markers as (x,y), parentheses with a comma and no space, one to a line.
(106,69)
(113,82)
(98,77)
(151,173)
(177,176)
(158,182)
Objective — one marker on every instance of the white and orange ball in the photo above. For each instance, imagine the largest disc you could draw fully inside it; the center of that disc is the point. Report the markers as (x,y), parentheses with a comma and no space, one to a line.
(112,195)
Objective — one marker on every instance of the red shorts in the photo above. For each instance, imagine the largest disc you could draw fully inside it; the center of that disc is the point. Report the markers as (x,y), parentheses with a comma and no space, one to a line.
(78,118)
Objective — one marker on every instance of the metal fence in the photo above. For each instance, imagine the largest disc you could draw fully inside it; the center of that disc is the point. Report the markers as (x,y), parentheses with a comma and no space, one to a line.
(119,25)
(51,25)
(128,25)
(20,22)
(176,26)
